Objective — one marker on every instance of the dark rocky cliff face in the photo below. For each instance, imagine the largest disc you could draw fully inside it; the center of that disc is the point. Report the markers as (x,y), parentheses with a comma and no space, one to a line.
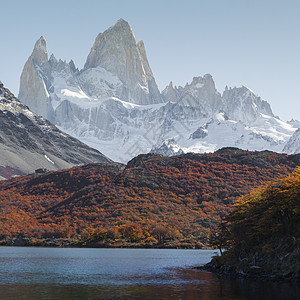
(29,142)
(280,264)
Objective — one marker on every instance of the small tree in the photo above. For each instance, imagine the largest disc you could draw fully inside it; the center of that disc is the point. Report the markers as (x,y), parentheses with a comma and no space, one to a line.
(219,237)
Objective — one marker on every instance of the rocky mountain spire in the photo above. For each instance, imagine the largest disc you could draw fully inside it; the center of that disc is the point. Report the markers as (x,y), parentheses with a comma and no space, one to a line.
(39,53)
(35,80)
(155,94)
(142,50)
(112,44)
(117,52)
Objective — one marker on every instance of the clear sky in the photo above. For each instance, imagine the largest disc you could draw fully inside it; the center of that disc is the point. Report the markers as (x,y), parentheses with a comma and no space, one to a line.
(255,43)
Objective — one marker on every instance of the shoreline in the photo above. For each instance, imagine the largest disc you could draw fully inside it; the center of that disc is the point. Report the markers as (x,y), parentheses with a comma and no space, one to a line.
(69,243)
(255,273)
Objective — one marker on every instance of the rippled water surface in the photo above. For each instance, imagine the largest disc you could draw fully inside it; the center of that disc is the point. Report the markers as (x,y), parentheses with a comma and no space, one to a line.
(52,273)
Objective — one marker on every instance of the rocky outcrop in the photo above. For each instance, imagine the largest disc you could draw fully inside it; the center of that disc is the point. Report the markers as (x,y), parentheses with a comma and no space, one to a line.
(168,148)
(282,264)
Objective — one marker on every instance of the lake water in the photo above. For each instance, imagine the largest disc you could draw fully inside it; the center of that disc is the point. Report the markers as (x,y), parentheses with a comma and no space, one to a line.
(56,273)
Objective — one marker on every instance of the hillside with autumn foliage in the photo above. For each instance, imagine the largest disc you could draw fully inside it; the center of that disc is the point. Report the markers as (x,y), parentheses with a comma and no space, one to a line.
(262,233)
(153,201)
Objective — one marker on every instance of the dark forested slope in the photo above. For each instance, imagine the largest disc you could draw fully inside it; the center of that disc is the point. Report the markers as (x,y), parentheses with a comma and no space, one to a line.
(262,233)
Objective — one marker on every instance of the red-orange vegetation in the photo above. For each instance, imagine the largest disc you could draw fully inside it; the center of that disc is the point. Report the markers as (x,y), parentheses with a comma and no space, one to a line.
(154,200)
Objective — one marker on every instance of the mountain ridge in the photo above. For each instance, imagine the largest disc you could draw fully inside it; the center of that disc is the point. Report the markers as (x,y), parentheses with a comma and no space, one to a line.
(30,142)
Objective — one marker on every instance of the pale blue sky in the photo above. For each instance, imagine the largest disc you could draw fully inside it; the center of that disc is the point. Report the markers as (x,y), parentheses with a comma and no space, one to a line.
(240,42)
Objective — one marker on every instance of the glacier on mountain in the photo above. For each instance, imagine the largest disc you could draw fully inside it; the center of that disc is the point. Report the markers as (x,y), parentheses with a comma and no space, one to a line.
(113,104)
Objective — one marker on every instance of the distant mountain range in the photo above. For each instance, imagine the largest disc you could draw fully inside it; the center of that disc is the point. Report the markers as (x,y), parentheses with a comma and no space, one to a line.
(29,142)
(114,105)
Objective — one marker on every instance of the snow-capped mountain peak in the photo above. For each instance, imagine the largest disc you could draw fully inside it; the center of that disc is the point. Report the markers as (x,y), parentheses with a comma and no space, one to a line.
(116,51)
(114,105)
(241,104)
(116,39)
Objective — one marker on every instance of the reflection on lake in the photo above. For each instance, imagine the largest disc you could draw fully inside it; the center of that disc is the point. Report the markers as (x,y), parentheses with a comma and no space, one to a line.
(49,273)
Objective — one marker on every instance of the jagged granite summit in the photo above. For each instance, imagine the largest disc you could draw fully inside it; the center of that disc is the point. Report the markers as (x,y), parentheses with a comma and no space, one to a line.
(29,142)
(117,52)
(113,104)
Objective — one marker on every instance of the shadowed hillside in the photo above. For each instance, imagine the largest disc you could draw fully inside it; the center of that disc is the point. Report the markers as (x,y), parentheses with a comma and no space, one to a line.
(262,233)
